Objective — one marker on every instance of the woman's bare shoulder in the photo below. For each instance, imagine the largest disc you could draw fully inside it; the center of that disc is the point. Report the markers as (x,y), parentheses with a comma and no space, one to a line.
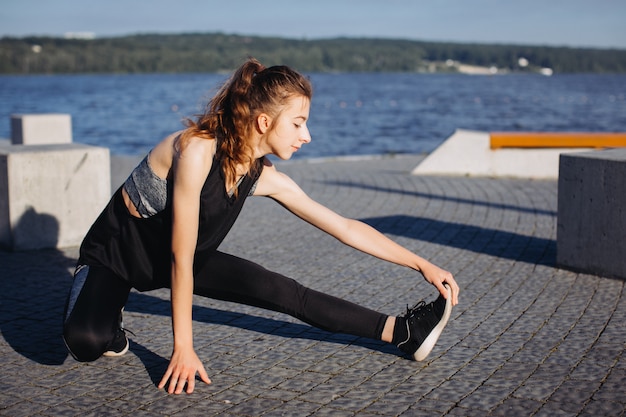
(195,150)
(195,155)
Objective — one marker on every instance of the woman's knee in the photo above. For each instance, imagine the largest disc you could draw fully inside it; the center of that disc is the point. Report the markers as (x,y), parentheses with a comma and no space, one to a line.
(84,344)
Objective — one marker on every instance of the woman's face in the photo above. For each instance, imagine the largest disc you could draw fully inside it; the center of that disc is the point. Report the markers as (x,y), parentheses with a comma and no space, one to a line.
(290,131)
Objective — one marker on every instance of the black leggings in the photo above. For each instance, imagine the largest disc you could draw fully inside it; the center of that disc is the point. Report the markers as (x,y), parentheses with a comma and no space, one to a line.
(98,295)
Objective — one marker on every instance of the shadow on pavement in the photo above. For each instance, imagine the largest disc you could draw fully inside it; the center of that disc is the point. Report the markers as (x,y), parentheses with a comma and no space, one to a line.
(443,197)
(33,289)
(493,242)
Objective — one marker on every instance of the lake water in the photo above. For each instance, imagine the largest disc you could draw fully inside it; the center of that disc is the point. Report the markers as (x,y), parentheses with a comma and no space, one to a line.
(351,114)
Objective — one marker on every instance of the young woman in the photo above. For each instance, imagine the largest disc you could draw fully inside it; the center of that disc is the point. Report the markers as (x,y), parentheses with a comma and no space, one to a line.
(162,229)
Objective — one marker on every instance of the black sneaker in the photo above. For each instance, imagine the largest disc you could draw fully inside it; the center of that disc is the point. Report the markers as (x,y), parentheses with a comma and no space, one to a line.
(119,345)
(425,322)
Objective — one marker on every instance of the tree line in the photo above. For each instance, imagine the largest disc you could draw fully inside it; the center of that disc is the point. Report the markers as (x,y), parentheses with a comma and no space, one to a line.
(217,52)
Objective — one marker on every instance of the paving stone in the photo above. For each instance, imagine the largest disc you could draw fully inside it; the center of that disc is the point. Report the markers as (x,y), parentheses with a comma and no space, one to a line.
(527,339)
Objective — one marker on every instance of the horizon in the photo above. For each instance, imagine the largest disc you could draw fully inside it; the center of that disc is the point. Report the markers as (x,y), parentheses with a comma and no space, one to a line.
(596,24)
(87,36)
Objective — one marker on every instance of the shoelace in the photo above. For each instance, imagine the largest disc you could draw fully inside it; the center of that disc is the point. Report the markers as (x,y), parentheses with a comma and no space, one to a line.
(124,329)
(411,312)
(418,310)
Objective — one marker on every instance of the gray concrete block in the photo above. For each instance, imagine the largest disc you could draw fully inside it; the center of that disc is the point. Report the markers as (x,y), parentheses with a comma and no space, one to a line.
(591,226)
(51,194)
(41,129)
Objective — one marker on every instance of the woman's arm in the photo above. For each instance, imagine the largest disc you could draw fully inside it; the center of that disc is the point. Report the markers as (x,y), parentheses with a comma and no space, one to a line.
(190,168)
(351,232)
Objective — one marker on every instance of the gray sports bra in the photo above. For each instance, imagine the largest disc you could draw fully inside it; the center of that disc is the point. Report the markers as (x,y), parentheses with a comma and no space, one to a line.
(146,190)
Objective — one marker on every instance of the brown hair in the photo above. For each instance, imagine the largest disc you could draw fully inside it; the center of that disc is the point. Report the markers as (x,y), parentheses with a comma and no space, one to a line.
(230,116)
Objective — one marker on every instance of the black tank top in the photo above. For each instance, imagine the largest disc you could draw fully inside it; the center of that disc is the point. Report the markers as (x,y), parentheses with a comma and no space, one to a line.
(139,249)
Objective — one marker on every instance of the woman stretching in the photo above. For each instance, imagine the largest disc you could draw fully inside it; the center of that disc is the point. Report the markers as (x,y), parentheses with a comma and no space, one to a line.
(162,229)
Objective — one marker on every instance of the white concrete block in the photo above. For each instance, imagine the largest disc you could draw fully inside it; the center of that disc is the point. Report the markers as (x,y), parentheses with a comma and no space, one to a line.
(41,129)
(468,153)
(462,153)
(51,194)
(591,224)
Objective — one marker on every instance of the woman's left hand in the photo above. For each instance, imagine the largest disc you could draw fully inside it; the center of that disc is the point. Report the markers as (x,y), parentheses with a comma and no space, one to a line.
(182,370)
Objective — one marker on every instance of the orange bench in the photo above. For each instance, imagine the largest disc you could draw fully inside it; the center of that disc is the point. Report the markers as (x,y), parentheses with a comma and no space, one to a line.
(557,140)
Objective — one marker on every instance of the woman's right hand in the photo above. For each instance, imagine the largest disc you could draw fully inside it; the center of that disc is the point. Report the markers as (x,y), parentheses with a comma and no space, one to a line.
(437,277)
(182,370)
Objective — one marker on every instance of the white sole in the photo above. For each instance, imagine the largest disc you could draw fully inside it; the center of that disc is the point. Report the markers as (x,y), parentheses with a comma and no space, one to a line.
(429,343)
(113,354)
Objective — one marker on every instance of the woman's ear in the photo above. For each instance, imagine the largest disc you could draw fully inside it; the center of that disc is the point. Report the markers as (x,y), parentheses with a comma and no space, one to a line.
(263,122)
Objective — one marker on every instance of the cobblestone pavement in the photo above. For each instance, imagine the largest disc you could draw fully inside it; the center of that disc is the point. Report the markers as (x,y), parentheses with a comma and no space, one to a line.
(527,339)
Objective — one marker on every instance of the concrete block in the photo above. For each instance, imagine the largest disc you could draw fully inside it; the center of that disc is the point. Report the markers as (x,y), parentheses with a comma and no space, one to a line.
(51,194)
(591,224)
(469,153)
(41,129)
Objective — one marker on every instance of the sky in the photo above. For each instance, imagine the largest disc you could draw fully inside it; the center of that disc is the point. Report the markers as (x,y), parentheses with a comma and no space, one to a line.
(572,23)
